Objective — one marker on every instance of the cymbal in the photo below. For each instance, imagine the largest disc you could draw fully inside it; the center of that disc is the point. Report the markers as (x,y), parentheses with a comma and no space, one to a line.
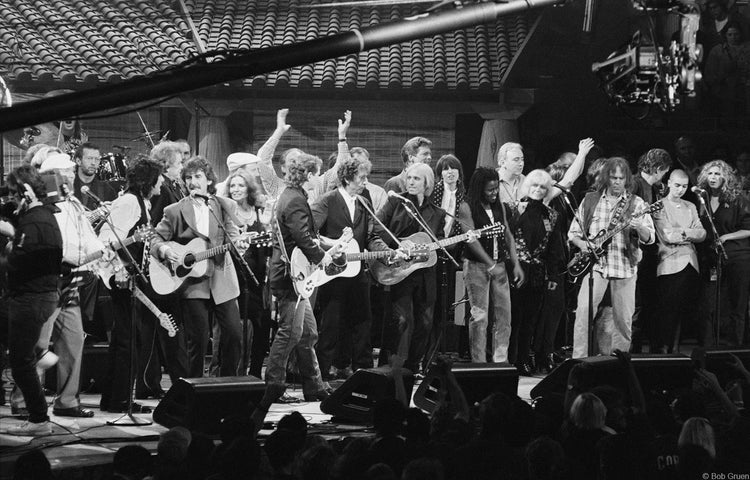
(147,136)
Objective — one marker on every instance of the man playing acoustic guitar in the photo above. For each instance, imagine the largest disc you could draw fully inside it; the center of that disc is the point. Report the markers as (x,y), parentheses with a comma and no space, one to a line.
(346,301)
(611,205)
(194,217)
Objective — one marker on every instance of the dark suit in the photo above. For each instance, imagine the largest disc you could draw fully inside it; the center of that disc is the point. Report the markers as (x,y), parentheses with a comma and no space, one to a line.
(345,301)
(218,291)
(413,299)
(297,328)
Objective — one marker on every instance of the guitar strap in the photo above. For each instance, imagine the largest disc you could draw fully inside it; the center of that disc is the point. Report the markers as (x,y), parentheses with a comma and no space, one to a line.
(615,220)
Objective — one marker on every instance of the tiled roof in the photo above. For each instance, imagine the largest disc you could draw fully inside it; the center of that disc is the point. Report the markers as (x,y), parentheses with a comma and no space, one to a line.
(94,41)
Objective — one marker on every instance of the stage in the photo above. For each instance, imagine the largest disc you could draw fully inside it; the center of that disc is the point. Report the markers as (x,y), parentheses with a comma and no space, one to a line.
(89,444)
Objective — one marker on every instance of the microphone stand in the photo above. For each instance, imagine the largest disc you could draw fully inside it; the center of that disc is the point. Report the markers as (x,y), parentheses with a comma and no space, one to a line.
(590,244)
(248,276)
(721,255)
(412,210)
(132,285)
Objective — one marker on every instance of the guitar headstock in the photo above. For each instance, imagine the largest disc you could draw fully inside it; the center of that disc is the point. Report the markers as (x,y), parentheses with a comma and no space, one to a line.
(144,233)
(492,230)
(167,322)
(255,239)
(655,207)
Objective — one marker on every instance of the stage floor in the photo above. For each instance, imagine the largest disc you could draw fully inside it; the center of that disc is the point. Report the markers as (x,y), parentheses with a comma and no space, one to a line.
(78,443)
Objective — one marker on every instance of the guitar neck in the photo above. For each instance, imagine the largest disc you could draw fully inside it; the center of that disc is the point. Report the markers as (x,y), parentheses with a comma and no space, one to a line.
(211,252)
(146,301)
(353,257)
(97,255)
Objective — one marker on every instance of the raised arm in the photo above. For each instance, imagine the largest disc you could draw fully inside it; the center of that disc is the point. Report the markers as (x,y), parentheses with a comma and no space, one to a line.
(330,177)
(574,171)
(265,153)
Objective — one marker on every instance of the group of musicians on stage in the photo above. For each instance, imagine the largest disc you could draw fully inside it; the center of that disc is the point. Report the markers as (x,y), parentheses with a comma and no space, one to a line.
(181,252)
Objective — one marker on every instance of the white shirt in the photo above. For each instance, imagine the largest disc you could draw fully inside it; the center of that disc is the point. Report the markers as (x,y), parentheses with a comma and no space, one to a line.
(79,239)
(201,216)
(449,205)
(351,202)
(124,214)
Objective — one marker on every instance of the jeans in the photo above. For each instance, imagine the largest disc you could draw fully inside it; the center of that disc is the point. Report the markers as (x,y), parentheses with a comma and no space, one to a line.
(481,287)
(297,332)
(623,306)
(28,313)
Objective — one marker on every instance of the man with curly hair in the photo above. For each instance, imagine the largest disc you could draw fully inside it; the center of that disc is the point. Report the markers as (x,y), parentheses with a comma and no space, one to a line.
(346,301)
(297,330)
(129,212)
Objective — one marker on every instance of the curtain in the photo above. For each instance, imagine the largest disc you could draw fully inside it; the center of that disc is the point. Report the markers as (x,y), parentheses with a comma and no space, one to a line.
(214,143)
(494,134)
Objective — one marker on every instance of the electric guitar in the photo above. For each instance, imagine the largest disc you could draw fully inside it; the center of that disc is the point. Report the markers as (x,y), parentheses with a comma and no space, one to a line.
(582,261)
(347,263)
(165,320)
(167,278)
(423,255)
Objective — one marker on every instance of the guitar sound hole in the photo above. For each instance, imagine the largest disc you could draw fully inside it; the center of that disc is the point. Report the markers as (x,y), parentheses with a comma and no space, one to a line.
(189,260)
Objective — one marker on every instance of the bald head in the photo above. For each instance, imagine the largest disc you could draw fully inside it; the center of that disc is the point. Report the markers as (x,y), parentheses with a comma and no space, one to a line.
(678,184)
(678,175)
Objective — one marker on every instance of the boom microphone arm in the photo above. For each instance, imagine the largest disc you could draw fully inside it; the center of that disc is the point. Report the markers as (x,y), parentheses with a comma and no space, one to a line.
(199,75)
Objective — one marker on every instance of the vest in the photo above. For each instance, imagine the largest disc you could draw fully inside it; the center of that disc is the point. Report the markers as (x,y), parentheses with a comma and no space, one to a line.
(632,243)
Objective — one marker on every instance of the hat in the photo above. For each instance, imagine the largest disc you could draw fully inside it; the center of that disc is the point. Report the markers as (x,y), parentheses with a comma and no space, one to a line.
(240,159)
(56,161)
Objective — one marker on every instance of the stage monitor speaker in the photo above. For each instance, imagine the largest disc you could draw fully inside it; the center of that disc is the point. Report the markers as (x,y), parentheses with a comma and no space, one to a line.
(200,404)
(355,399)
(94,369)
(657,374)
(477,381)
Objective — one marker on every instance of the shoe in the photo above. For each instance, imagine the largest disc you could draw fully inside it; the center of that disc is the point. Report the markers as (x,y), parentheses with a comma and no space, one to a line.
(73,412)
(286,398)
(319,396)
(123,408)
(47,360)
(31,429)
(158,395)
(19,411)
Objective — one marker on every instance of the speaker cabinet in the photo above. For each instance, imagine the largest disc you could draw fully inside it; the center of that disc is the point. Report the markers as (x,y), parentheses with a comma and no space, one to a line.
(201,403)
(355,399)
(477,381)
(657,374)
(94,369)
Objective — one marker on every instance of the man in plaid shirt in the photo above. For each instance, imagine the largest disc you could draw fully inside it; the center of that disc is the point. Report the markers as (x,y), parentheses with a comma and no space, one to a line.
(610,205)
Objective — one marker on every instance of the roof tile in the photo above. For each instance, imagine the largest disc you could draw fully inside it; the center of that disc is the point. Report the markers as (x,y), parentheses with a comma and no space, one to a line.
(110,40)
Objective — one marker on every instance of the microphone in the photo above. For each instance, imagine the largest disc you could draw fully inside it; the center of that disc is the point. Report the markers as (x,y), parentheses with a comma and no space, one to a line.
(697,190)
(564,189)
(87,191)
(197,194)
(393,194)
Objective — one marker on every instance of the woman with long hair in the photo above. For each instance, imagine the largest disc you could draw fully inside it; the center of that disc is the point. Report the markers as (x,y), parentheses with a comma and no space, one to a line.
(252,216)
(730,212)
(487,281)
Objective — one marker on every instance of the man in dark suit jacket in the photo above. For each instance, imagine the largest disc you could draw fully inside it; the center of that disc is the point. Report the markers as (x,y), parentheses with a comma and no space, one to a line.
(346,301)
(190,218)
(297,327)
